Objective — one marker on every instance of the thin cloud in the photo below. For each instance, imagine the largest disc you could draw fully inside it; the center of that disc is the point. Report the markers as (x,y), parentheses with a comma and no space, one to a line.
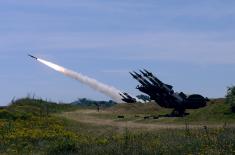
(169,46)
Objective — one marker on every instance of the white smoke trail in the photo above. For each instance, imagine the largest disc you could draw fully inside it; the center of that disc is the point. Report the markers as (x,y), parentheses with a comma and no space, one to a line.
(103,88)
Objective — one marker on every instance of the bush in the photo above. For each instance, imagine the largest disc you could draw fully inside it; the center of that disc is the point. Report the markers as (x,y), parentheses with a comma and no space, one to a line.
(230,97)
(4,114)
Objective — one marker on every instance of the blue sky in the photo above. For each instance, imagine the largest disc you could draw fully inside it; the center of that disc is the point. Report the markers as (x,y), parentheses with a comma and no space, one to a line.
(189,44)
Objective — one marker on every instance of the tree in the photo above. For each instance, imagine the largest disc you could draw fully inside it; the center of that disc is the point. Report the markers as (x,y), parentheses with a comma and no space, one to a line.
(143,97)
(230,97)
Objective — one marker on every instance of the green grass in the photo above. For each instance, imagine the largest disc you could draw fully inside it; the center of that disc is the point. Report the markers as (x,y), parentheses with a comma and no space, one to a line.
(31,126)
(214,113)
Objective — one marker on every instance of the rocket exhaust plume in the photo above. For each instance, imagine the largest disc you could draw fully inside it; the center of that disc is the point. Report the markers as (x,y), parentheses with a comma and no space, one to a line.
(96,85)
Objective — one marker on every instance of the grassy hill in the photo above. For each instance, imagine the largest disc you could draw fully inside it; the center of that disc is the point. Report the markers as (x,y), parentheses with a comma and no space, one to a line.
(27,108)
(216,111)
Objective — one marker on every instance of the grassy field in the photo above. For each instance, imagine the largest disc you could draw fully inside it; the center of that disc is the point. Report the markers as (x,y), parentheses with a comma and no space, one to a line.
(217,113)
(30,126)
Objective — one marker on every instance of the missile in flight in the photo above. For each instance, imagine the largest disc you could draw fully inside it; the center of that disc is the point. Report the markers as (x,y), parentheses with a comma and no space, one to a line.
(93,83)
(32,56)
